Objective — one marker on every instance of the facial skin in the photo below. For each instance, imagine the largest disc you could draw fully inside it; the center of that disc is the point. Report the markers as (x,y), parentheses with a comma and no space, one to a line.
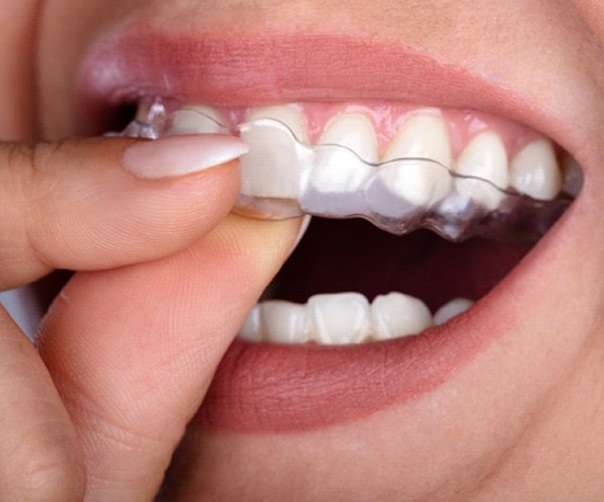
(521,420)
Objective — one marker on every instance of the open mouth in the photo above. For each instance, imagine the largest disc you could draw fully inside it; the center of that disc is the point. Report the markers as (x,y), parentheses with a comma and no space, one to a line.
(364,314)
(490,189)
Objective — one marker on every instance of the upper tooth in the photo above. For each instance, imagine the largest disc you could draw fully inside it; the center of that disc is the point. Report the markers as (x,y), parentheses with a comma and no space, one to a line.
(354,131)
(283,322)
(421,179)
(339,319)
(338,177)
(196,120)
(273,167)
(451,309)
(396,315)
(335,185)
(424,136)
(290,115)
(485,158)
(534,171)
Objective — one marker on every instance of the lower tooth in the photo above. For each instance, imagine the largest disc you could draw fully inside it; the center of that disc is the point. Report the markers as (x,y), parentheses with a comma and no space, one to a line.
(339,318)
(396,315)
(250,330)
(452,309)
(283,322)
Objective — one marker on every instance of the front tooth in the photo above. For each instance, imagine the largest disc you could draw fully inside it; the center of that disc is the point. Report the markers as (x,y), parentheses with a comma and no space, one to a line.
(424,136)
(485,158)
(336,181)
(354,131)
(283,322)
(421,179)
(197,120)
(290,115)
(336,319)
(396,315)
(535,172)
(451,309)
(274,166)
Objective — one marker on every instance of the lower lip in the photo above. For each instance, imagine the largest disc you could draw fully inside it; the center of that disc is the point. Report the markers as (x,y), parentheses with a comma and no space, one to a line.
(277,388)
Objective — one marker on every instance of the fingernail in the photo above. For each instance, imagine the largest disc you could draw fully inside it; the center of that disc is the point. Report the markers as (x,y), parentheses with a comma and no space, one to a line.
(303,228)
(180,155)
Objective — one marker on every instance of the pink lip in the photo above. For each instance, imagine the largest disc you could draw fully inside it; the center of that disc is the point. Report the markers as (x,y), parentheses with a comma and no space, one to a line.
(276,388)
(232,69)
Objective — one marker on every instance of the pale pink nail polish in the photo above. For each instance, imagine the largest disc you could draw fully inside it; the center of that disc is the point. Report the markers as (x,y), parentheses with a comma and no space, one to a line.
(180,155)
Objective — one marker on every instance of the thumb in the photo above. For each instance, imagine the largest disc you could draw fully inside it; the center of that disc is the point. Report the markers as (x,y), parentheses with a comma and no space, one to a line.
(132,351)
(106,202)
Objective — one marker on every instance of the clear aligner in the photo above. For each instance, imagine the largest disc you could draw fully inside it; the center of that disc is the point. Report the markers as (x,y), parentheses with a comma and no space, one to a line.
(284,177)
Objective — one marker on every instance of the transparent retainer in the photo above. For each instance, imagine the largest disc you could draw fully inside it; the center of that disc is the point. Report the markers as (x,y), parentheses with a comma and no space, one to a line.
(398,196)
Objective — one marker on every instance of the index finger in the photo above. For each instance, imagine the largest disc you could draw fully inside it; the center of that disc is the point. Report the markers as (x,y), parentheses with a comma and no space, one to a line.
(102,203)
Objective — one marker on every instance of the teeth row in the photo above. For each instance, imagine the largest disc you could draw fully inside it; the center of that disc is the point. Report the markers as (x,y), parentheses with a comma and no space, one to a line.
(344,318)
(534,171)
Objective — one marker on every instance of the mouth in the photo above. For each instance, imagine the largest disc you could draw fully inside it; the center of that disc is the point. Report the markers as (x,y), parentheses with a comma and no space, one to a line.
(471,195)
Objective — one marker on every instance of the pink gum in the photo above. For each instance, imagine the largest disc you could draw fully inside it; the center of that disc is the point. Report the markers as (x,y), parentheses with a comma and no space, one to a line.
(388,118)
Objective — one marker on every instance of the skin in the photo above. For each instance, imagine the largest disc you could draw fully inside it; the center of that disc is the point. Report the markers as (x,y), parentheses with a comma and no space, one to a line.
(95,414)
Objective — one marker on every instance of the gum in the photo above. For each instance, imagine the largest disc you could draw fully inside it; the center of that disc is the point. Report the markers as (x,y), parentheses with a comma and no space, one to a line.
(516,219)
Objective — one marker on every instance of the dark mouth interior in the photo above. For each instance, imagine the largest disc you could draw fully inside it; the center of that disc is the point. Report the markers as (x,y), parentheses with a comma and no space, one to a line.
(353,255)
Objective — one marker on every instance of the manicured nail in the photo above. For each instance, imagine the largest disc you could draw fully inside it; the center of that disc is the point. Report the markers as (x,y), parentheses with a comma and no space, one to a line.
(303,228)
(180,155)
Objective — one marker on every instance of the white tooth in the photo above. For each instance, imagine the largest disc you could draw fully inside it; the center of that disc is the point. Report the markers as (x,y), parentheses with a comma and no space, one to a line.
(535,172)
(197,120)
(290,115)
(396,315)
(452,309)
(283,322)
(336,181)
(339,318)
(422,179)
(335,184)
(354,131)
(273,168)
(338,177)
(573,177)
(485,158)
(423,136)
(250,330)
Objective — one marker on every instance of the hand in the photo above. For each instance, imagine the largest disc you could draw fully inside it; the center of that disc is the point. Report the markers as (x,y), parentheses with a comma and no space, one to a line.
(130,345)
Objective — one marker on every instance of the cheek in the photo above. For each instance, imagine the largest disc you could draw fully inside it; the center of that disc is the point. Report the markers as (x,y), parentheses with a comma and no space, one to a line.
(67,29)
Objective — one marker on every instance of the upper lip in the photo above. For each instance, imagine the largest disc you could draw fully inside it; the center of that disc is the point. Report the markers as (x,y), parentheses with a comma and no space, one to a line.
(232,69)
